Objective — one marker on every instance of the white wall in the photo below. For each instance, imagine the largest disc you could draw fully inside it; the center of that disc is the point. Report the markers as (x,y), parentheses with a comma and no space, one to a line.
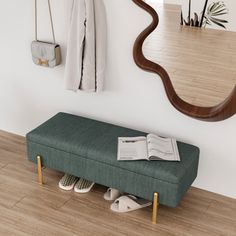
(172,1)
(30,94)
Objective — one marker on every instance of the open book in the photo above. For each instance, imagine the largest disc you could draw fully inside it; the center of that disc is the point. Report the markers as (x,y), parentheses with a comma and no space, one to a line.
(150,148)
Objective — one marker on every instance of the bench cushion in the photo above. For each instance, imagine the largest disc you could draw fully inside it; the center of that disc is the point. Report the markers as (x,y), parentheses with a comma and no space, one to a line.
(88,148)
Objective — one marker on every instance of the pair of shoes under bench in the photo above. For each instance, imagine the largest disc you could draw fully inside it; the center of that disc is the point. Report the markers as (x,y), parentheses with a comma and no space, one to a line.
(80,185)
(124,203)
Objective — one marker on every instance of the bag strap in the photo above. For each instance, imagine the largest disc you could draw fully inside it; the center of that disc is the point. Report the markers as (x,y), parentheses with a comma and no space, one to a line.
(36,21)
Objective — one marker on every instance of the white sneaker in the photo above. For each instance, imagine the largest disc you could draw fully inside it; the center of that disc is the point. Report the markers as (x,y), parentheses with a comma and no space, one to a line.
(83,186)
(67,182)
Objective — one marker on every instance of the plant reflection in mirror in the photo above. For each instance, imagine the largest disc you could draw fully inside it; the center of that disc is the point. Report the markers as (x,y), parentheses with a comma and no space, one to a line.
(214,13)
(211,15)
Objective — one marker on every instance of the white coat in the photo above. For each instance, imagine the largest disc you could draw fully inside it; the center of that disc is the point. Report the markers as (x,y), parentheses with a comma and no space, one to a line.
(86,48)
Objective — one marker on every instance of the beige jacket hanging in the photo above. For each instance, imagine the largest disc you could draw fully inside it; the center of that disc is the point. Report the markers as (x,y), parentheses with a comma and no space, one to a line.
(86,49)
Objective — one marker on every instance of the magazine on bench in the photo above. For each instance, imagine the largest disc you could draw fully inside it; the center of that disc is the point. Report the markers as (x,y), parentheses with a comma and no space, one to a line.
(148,148)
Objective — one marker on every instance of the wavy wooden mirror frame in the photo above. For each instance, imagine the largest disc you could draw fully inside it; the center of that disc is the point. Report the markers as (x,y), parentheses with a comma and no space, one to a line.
(222,111)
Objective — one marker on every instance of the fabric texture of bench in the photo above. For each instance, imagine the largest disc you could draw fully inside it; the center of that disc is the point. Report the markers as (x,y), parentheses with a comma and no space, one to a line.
(88,148)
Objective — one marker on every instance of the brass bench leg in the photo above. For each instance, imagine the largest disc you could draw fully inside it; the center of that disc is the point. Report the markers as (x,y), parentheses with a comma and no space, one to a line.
(40,174)
(155,208)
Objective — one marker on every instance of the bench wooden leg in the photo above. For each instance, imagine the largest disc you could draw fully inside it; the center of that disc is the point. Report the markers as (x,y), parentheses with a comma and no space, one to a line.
(40,174)
(155,208)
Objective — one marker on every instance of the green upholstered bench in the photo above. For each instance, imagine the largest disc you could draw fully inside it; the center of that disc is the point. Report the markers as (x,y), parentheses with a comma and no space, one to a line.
(88,148)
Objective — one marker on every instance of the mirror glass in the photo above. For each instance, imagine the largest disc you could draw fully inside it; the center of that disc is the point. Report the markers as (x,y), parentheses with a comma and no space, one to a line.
(201,62)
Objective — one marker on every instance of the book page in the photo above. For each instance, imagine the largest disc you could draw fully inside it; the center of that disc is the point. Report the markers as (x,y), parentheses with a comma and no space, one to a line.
(132,148)
(160,144)
(162,148)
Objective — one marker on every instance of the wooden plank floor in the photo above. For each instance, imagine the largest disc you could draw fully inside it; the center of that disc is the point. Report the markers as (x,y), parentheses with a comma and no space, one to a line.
(29,209)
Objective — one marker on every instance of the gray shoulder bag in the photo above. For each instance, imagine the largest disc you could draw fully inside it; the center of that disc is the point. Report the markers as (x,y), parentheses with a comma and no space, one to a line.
(44,53)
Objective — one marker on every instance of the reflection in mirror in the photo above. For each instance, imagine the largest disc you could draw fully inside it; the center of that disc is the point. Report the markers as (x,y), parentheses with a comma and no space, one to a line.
(218,14)
(201,62)
(204,13)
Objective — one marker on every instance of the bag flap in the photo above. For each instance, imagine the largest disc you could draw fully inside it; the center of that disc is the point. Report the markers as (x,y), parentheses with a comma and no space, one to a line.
(43,50)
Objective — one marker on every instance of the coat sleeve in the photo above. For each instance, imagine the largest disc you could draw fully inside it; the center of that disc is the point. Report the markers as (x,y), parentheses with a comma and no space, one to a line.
(88,82)
(101,43)
(75,45)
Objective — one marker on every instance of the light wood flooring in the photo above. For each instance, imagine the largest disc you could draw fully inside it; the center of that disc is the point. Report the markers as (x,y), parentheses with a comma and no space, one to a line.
(200,62)
(29,209)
